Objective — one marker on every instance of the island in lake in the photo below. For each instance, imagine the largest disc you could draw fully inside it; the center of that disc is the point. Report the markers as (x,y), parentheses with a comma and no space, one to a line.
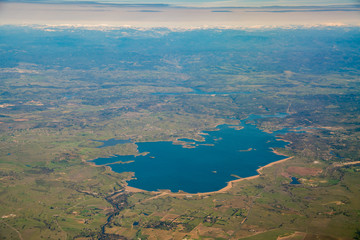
(173,167)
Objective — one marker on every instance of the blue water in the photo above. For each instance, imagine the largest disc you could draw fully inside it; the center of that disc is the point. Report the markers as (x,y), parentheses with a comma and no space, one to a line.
(112,142)
(294,180)
(201,168)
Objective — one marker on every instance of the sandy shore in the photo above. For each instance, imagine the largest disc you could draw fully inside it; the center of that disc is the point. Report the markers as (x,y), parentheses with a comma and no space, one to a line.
(223,190)
(346,164)
(134,190)
(231,183)
(278,153)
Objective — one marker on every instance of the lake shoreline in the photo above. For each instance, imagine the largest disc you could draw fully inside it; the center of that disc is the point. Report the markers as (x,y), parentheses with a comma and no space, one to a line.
(229,184)
(228,187)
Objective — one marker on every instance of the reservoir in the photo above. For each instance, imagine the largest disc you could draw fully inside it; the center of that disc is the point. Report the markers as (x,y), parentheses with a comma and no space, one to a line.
(112,142)
(199,166)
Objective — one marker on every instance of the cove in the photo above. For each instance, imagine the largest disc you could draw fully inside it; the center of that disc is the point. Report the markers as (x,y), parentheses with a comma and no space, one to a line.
(112,142)
(195,167)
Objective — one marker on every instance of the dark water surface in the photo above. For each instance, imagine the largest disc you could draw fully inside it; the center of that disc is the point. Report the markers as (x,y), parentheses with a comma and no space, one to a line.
(294,180)
(112,142)
(202,168)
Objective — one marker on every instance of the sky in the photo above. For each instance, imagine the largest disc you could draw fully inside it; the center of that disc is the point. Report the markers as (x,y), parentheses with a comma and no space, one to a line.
(201,13)
(214,3)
